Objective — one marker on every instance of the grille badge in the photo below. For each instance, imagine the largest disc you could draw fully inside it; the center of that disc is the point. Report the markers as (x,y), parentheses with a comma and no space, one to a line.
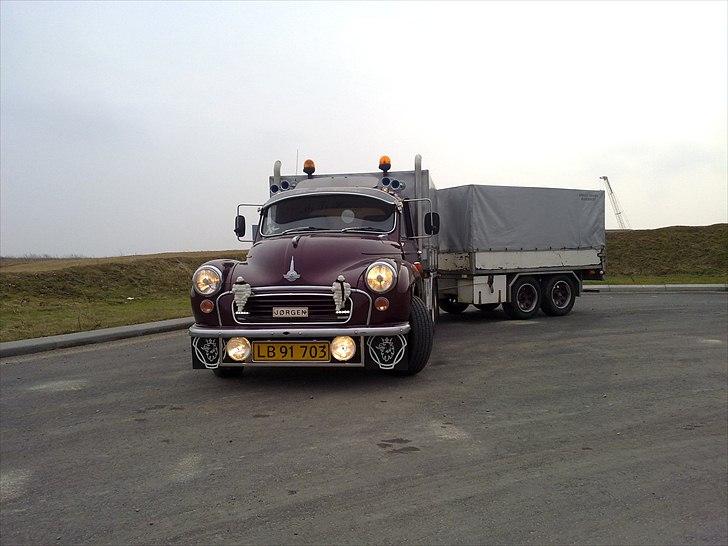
(290,312)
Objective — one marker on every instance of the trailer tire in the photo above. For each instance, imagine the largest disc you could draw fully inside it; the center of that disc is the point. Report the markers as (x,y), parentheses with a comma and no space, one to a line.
(558,296)
(228,373)
(452,306)
(525,299)
(487,307)
(419,339)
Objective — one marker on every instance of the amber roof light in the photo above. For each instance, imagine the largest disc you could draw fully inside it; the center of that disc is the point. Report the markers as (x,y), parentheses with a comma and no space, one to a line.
(309,167)
(384,163)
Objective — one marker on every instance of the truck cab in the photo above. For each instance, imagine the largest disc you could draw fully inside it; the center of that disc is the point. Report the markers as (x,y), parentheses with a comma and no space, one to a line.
(342,273)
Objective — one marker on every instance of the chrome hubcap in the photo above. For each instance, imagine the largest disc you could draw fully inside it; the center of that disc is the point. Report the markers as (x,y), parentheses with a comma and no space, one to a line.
(561,294)
(527,298)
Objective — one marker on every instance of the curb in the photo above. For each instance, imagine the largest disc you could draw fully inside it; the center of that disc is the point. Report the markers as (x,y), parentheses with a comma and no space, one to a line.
(654,288)
(36,345)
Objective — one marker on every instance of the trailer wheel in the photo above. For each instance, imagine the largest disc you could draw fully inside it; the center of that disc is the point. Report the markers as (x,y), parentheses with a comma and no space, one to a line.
(451,305)
(227,372)
(419,339)
(558,296)
(487,307)
(525,299)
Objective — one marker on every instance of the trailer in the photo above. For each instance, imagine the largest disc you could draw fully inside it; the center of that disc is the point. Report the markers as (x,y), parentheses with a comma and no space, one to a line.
(519,247)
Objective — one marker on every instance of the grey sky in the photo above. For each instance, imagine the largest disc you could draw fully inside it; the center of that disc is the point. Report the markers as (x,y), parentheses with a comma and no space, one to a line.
(137,127)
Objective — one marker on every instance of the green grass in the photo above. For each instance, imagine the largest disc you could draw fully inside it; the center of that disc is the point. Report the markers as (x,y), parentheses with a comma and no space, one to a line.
(58,296)
(37,318)
(46,296)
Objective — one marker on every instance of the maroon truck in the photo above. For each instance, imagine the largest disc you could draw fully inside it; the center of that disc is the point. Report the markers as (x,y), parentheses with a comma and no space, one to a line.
(341,273)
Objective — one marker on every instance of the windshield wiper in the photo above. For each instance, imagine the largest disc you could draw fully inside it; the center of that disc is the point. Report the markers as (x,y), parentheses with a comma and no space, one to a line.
(303,228)
(363,228)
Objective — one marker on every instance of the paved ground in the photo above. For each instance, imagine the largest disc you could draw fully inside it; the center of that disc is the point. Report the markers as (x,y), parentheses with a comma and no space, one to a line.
(605,426)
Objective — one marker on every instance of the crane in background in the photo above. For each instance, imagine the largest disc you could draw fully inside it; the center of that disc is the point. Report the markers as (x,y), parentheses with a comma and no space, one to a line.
(621,219)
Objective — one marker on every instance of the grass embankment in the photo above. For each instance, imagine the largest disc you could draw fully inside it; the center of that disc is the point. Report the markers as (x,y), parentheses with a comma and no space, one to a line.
(671,255)
(47,296)
(41,297)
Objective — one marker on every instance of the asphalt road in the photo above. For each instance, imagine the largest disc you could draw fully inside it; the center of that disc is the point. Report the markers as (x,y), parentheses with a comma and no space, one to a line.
(608,426)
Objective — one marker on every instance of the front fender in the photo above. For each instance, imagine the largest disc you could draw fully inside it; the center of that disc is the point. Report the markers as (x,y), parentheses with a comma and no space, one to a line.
(226,267)
(399,297)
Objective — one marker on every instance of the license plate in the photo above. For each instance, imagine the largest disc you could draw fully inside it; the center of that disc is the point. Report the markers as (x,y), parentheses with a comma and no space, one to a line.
(283,351)
(290,312)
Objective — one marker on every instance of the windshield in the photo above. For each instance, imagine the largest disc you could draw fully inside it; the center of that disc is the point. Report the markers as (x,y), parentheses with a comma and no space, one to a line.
(345,212)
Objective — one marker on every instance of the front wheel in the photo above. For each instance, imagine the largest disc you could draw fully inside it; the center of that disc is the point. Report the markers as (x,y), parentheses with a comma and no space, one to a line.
(419,339)
(525,299)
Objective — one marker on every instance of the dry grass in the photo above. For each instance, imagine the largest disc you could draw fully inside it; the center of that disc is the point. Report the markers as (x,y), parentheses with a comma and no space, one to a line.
(37,264)
(686,251)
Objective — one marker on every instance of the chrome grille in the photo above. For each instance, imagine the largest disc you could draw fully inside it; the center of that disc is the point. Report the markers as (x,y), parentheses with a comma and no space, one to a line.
(321,308)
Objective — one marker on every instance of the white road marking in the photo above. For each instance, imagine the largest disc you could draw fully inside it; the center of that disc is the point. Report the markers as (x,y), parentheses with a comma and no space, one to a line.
(12,484)
(711,341)
(60,386)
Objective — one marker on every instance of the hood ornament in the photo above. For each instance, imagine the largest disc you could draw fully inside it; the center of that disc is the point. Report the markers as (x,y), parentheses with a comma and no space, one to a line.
(292,275)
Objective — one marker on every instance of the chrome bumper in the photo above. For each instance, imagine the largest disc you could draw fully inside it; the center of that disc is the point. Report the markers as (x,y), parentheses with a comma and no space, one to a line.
(365,331)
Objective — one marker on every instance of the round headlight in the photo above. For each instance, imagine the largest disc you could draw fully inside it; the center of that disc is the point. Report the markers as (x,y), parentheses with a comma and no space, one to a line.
(207,280)
(343,348)
(380,276)
(238,348)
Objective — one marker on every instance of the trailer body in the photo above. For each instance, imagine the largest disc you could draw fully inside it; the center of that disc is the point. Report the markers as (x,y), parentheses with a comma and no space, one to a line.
(492,235)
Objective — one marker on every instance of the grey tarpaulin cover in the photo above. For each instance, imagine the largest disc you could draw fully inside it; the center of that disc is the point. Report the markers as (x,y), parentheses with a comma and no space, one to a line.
(479,218)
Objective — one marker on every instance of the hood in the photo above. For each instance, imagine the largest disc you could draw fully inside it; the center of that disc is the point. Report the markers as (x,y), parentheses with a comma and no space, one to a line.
(317,259)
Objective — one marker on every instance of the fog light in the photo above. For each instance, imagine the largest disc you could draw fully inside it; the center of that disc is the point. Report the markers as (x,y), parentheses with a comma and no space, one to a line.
(206,306)
(381,304)
(238,348)
(343,348)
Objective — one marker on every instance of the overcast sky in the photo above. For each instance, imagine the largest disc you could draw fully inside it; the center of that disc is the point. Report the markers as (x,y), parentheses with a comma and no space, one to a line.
(137,127)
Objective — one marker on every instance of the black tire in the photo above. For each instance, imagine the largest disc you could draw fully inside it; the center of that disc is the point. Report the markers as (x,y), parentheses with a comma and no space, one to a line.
(558,296)
(227,373)
(525,299)
(487,307)
(452,306)
(419,339)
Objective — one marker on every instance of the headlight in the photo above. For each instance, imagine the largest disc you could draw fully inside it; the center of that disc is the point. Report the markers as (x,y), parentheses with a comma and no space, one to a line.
(380,276)
(238,348)
(343,348)
(207,280)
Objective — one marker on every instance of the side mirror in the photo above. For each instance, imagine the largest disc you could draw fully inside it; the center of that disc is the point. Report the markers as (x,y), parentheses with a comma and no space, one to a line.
(432,223)
(240,226)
